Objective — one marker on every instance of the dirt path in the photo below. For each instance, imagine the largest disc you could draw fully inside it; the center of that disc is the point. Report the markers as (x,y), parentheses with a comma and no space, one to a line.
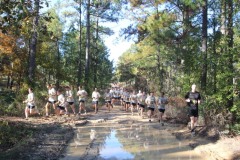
(53,135)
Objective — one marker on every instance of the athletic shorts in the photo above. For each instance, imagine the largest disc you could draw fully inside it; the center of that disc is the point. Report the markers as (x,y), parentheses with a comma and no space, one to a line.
(127,102)
(193,112)
(53,102)
(108,102)
(142,105)
(134,104)
(95,102)
(61,107)
(30,106)
(81,101)
(70,103)
(149,108)
(161,110)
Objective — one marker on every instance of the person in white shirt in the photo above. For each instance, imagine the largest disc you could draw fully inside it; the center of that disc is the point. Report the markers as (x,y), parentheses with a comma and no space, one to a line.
(70,99)
(151,103)
(108,97)
(30,101)
(162,101)
(133,101)
(127,100)
(52,98)
(82,94)
(114,95)
(61,103)
(141,96)
(122,95)
(95,98)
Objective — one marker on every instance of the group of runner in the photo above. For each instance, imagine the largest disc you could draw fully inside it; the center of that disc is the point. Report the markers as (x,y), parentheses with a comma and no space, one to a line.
(130,99)
(61,99)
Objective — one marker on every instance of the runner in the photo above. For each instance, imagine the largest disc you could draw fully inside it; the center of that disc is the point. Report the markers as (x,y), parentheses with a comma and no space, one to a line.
(127,100)
(122,95)
(82,98)
(111,91)
(61,104)
(133,100)
(118,95)
(70,99)
(108,97)
(193,98)
(115,95)
(151,102)
(95,98)
(30,107)
(52,98)
(141,102)
(162,101)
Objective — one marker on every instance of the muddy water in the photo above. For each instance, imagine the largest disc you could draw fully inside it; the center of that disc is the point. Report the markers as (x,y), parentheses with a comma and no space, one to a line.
(127,141)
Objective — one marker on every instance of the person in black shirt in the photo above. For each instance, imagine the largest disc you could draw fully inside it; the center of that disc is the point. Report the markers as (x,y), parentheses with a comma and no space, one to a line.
(193,99)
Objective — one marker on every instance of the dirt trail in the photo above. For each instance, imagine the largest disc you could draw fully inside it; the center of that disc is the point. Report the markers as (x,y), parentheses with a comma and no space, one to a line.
(54,134)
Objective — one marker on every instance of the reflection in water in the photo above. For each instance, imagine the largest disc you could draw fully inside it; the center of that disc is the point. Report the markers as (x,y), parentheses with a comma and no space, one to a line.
(92,134)
(129,142)
(112,149)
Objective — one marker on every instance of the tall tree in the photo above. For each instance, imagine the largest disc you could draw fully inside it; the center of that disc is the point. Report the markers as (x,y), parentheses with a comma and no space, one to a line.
(33,43)
(204,44)
(80,44)
(87,60)
(230,52)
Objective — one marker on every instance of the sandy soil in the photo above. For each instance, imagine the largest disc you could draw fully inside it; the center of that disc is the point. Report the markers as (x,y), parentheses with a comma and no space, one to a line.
(54,133)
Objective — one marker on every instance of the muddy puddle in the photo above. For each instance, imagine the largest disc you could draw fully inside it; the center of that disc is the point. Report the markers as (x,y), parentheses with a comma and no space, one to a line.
(127,141)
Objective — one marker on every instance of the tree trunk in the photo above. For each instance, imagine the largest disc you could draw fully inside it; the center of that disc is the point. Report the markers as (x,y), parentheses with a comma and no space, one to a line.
(58,68)
(204,45)
(80,44)
(230,51)
(214,56)
(87,44)
(96,45)
(33,44)
(223,17)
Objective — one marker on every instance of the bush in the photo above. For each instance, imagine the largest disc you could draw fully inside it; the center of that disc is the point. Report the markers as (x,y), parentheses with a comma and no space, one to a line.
(177,109)
(216,113)
(12,133)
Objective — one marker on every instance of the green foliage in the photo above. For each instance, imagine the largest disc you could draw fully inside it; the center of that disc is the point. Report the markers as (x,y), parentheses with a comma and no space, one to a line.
(168,54)
(12,134)
(236,128)
(7,105)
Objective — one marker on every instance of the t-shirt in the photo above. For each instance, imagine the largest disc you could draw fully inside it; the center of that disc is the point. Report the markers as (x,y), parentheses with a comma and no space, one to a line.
(194,97)
(52,95)
(151,101)
(61,100)
(141,98)
(69,96)
(108,96)
(127,97)
(133,98)
(82,94)
(162,102)
(95,96)
(30,99)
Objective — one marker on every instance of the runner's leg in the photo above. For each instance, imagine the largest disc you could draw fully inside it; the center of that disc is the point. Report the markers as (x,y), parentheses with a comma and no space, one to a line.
(47,108)
(26,112)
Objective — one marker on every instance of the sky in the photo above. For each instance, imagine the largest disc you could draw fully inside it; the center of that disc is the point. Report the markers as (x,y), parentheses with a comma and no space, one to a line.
(116,45)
